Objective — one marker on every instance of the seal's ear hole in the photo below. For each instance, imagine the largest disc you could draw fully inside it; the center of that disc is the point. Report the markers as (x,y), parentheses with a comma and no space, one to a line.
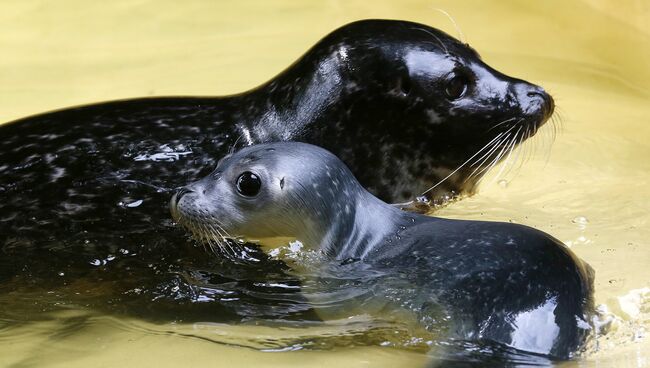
(282,183)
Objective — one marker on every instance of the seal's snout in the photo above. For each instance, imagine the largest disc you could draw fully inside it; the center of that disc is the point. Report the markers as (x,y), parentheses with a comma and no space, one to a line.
(534,100)
(181,192)
(546,101)
(175,201)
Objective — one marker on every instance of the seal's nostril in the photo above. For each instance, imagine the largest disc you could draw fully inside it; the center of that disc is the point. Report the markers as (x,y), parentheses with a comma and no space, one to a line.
(547,100)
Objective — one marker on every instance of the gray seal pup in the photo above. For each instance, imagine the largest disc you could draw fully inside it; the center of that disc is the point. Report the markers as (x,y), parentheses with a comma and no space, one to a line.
(500,282)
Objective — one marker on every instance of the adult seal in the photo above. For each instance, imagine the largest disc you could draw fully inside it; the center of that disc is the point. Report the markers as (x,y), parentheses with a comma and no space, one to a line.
(500,282)
(401,103)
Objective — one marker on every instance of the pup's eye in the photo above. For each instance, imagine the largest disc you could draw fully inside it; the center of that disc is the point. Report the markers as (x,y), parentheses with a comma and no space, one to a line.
(456,86)
(249,184)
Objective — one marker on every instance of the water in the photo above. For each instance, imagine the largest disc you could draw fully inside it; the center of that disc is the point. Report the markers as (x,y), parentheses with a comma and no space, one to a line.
(588,188)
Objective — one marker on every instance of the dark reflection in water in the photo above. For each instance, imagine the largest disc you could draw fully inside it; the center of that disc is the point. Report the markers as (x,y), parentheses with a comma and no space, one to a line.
(339,305)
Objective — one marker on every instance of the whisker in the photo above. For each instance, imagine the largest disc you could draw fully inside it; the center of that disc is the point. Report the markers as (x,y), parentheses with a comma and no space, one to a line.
(461,165)
(501,123)
(461,36)
(519,149)
(434,36)
(483,158)
(494,161)
(507,160)
(479,163)
(234,145)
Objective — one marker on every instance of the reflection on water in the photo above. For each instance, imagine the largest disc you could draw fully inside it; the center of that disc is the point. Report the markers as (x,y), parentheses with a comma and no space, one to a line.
(184,307)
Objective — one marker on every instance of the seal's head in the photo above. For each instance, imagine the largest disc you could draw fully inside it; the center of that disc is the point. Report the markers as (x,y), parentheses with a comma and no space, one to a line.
(413,103)
(283,190)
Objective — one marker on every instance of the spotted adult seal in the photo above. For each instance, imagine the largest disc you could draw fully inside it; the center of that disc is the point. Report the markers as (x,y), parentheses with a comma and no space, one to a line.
(500,282)
(401,103)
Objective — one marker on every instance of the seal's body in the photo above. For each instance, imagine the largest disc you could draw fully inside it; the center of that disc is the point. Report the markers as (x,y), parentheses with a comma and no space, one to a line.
(401,103)
(499,282)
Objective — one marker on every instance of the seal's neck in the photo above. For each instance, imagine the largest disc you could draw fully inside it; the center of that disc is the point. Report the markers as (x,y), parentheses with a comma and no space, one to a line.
(359,227)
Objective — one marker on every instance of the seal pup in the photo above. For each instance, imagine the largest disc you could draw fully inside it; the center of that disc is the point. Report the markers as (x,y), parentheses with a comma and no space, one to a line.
(500,282)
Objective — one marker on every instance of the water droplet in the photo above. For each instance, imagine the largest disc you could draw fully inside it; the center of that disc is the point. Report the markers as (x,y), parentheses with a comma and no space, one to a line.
(96,262)
(61,274)
(581,220)
(503,183)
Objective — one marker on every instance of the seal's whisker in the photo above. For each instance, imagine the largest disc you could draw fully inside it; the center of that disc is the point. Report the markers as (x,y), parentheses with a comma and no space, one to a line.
(494,161)
(479,163)
(515,164)
(221,245)
(553,121)
(234,145)
(204,236)
(216,238)
(461,36)
(197,235)
(560,117)
(518,160)
(212,241)
(223,238)
(527,149)
(220,226)
(463,164)
(434,36)
(212,236)
(512,145)
(501,123)
(483,158)
(547,143)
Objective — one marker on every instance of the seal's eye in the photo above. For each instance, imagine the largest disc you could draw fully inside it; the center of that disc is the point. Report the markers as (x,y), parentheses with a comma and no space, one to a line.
(248,184)
(456,86)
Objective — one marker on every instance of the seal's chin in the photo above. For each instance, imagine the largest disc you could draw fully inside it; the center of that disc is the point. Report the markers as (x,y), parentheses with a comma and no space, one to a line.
(205,229)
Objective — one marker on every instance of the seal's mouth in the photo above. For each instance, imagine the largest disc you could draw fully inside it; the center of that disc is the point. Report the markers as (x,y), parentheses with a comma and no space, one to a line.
(205,228)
